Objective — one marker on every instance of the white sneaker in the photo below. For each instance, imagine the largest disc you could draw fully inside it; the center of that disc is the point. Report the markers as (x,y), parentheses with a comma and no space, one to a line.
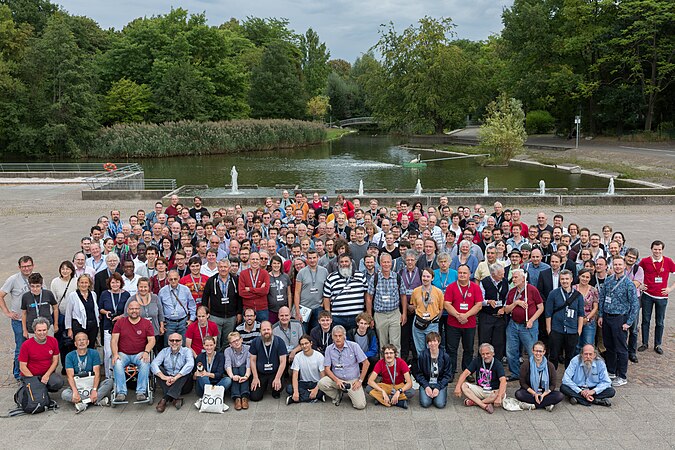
(611,375)
(105,401)
(549,408)
(618,381)
(79,407)
(225,407)
(198,403)
(527,406)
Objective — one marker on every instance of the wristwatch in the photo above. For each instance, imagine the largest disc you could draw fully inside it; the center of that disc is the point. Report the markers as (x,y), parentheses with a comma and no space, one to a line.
(94,389)
(400,391)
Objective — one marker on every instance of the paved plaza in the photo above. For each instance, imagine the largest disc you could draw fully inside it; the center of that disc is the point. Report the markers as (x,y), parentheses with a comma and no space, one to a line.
(47,223)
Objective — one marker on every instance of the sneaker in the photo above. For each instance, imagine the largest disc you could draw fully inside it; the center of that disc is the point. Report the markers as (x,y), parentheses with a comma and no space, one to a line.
(611,375)
(602,402)
(642,348)
(121,398)
(549,408)
(289,400)
(338,398)
(402,404)
(198,403)
(105,401)
(633,358)
(658,350)
(79,407)
(618,381)
(573,400)
(141,397)
(527,406)
(225,407)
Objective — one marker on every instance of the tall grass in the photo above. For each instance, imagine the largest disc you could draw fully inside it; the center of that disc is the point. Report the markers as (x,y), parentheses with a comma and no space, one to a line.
(203,138)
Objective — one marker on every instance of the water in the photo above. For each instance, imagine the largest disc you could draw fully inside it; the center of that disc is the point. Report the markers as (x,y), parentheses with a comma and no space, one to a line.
(341,164)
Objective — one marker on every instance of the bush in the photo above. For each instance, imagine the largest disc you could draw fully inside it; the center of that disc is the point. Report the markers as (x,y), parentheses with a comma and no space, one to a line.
(502,133)
(539,122)
(203,138)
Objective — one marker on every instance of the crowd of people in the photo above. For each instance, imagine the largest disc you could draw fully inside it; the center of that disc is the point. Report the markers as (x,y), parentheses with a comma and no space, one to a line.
(320,299)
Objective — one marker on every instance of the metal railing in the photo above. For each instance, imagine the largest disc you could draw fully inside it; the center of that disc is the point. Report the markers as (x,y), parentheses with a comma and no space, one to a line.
(160,184)
(57,167)
(129,177)
(357,121)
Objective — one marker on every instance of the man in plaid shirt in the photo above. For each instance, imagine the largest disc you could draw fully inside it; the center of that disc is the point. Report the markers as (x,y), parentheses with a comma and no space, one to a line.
(386,294)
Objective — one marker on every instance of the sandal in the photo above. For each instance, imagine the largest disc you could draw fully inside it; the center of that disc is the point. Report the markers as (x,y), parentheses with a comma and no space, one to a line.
(469,402)
(489,408)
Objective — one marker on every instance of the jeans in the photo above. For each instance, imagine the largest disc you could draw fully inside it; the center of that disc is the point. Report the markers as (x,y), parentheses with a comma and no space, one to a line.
(104,388)
(349,322)
(262,315)
(587,335)
(171,327)
(313,320)
(225,382)
(616,356)
(240,390)
(552,398)
(660,305)
(17,328)
(454,335)
(120,376)
(439,401)
(607,393)
(303,391)
(420,336)
(225,326)
(517,334)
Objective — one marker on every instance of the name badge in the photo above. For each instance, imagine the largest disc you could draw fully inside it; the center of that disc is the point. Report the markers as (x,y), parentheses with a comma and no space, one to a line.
(289,348)
(433,380)
(426,315)
(608,300)
(464,306)
(658,280)
(385,298)
(339,366)
(498,304)
(280,298)
(408,292)
(313,290)
(269,367)
(224,300)
(570,313)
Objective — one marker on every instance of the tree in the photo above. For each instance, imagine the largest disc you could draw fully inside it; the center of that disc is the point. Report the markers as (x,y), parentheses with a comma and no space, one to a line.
(276,89)
(317,107)
(262,32)
(33,12)
(315,67)
(340,66)
(127,102)
(181,92)
(503,131)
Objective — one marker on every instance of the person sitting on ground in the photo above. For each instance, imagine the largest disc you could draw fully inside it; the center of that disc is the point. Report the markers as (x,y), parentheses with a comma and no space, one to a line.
(433,373)
(321,334)
(490,378)
(172,367)
(238,369)
(39,356)
(209,367)
(84,362)
(538,381)
(346,366)
(268,361)
(586,380)
(306,371)
(395,388)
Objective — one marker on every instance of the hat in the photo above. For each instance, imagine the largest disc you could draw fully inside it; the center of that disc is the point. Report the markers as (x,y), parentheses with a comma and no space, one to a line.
(471,219)
(324,199)
(372,245)
(515,251)
(527,247)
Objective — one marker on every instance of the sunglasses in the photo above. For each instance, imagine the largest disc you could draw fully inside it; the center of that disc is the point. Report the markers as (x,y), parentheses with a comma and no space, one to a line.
(175,340)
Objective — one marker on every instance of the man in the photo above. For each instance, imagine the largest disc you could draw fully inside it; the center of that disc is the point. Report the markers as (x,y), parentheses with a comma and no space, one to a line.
(542,224)
(636,275)
(358,246)
(491,319)
(289,331)
(564,311)
(490,388)
(321,334)
(657,270)
(617,310)
(83,362)
(525,305)
(38,302)
(395,387)
(112,265)
(268,363)
(195,280)
(222,298)
(254,285)
(80,263)
(173,368)
(133,338)
(179,307)
(171,210)
(249,329)
(344,293)
(16,285)
(198,210)
(115,225)
(343,375)
(39,356)
(309,289)
(130,278)
(306,372)
(498,213)
(483,269)
(586,380)
(463,300)
(386,294)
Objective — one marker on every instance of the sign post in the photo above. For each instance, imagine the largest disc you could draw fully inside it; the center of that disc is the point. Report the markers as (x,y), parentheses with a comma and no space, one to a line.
(577,121)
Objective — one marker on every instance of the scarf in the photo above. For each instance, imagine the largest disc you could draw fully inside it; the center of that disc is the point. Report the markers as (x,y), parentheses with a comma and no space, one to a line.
(539,374)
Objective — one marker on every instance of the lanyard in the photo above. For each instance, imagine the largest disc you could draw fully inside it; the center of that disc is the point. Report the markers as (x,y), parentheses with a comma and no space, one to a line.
(464,294)
(325,337)
(196,287)
(174,361)
(410,277)
(658,271)
(444,281)
(38,303)
(287,333)
(499,286)
(392,376)
(210,364)
(255,280)
(618,282)
(81,365)
(115,303)
(96,266)
(489,368)
(201,335)
(268,353)
(313,278)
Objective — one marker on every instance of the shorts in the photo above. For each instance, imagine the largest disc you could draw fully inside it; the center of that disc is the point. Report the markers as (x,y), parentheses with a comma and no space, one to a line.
(479,392)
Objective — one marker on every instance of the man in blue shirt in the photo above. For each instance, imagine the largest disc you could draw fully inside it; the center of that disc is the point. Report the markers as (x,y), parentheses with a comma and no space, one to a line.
(564,312)
(173,367)
(268,362)
(586,380)
(179,306)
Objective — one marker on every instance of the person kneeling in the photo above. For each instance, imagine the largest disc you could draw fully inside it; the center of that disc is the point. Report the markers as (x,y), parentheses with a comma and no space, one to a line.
(210,369)
(172,367)
(306,371)
(395,388)
(491,379)
(39,356)
(586,380)
(82,363)
(433,373)
(537,381)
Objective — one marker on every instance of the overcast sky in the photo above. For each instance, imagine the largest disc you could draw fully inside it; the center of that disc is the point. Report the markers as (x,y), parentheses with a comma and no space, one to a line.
(349,27)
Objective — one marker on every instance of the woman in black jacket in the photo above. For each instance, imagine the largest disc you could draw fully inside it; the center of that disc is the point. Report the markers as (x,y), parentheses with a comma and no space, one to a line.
(538,380)
(210,367)
(433,374)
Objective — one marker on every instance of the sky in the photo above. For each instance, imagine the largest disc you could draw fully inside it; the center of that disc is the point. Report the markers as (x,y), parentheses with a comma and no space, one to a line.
(348,27)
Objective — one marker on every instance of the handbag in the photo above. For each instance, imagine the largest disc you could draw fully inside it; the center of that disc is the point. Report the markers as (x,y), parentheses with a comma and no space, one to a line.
(212,400)
(84,386)
(423,324)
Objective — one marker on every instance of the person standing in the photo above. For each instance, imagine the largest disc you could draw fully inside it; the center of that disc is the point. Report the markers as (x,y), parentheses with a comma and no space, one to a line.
(386,294)
(178,306)
(309,290)
(491,319)
(254,285)
(565,316)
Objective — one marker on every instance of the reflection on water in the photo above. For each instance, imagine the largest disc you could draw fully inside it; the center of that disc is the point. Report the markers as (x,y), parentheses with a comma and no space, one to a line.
(377,160)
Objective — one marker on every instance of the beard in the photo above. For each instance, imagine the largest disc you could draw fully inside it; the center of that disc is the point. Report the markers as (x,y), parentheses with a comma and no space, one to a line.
(588,366)
(345,272)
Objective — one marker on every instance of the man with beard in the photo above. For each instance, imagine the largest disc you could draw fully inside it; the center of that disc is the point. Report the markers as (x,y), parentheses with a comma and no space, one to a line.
(586,380)
(268,363)
(344,293)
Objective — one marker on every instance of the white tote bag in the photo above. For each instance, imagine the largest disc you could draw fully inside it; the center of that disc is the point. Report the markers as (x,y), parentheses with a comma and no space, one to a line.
(213,400)
(84,386)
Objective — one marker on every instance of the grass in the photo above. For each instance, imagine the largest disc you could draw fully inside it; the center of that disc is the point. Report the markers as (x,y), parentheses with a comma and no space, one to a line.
(336,133)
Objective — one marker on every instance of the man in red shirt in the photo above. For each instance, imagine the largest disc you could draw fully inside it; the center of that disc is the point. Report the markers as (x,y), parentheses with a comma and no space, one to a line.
(254,285)
(198,330)
(132,340)
(39,356)
(195,280)
(396,386)
(525,305)
(657,269)
(463,300)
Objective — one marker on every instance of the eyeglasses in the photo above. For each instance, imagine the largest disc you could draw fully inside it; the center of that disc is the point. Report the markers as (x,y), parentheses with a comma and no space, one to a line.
(175,340)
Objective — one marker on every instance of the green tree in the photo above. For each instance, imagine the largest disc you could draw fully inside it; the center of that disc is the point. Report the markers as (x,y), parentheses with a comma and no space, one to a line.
(33,12)
(264,31)
(503,131)
(315,67)
(127,102)
(181,92)
(276,89)
(340,66)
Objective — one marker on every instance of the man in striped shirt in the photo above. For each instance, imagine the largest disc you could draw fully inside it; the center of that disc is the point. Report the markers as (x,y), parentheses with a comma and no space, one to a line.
(344,293)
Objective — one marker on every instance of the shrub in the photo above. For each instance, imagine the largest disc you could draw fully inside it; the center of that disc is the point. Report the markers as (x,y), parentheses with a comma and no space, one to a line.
(539,122)
(203,138)
(502,134)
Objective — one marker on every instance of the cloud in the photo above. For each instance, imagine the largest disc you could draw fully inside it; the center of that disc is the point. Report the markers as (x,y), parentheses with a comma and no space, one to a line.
(349,27)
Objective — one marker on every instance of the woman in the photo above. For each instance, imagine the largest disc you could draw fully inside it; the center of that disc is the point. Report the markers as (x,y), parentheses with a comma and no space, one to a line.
(465,257)
(433,373)
(538,381)
(108,246)
(395,388)
(370,232)
(606,237)
(112,305)
(621,239)
(199,330)
(573,230)
(209,369)
(590,295)
(584,255)
(151,310)
(428,302)
(298,265)
(502,257)
(62,286)
(167,250)
(160,279)
(82,311)
(280,289)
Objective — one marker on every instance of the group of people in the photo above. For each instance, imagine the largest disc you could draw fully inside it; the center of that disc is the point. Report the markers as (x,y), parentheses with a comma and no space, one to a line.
(322,300)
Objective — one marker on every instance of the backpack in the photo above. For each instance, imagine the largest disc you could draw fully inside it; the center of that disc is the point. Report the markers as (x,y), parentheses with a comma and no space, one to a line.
(32,398)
